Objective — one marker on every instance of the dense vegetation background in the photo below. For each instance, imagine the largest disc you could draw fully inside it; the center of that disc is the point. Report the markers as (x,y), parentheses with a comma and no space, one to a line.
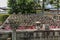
(23,6)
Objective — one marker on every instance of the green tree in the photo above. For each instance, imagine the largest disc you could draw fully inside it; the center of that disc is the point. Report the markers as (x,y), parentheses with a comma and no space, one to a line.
(17,6)
(12,4)
(23,6)
(26,6)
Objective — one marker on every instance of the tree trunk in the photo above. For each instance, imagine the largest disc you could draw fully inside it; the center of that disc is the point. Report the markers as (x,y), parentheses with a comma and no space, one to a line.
(14,34)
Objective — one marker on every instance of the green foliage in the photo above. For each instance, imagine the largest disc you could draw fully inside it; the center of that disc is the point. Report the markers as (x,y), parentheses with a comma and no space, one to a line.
(27,6)
(13,6)
(23,6)
(51,2)
(3,17)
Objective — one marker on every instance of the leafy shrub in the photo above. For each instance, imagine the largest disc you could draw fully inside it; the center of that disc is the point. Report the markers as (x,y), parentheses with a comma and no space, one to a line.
(3,17)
